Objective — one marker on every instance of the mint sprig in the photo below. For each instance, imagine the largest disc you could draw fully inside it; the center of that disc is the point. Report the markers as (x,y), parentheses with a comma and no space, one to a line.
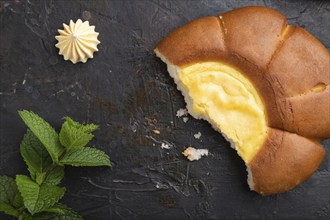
(44,132)
(37,197)
(45,152)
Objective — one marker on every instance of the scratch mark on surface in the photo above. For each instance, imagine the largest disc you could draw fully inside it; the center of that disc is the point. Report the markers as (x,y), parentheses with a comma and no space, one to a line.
(94,209)
(265,3)
(90,181)
(163,8)
(160,142)
(187,214)
(24,79)
(88,110)
(187,175)
(66,89)
(32,30)
(13,92)
(172,108)
(154,16)
(56,93)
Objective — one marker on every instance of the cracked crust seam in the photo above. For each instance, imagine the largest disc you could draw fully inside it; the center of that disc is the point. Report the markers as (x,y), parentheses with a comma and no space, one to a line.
(223,30)
(286,33)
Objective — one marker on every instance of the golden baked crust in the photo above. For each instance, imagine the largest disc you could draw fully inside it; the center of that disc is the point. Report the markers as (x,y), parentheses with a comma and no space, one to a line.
(200,40)
(285,160)
(253,33)
(290,70)
(300,66)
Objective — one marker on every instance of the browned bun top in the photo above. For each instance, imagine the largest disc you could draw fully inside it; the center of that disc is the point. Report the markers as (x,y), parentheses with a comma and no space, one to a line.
(253,33)
(299,73)
(199,40)
(285,160)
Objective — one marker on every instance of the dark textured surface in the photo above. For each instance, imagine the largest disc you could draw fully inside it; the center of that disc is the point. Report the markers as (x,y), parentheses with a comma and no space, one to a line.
(127,90)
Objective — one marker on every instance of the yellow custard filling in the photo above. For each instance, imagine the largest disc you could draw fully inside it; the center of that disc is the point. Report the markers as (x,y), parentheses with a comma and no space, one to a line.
(229,101)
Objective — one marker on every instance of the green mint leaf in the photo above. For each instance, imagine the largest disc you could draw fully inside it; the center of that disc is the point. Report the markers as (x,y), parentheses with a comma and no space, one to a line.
(28,217)
(35,155)
(73,137)
(56,212)
(44,132)
(63,212)
(36,197)
(55,176)
(86,156)
(89,128)
(39,216)
(68,216)
(10,198)
(39,161)
(8,209)
(40,178)
(8,189)
(44,215)
(18,200)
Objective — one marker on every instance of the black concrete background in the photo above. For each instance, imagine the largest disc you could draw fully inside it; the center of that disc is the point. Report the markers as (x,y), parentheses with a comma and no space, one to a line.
(127,90)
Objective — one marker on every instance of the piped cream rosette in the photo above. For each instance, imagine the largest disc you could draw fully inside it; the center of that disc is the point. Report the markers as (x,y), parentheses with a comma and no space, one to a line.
(77,41)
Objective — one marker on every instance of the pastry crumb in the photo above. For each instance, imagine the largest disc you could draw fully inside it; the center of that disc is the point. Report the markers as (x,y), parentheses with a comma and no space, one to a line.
(198,135)
(156,131)
(165,146)
(195,154)
(185,119)
(181,112)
